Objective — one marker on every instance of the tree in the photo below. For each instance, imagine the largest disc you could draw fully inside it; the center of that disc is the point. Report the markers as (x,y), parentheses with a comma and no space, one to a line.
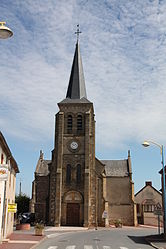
(22,203)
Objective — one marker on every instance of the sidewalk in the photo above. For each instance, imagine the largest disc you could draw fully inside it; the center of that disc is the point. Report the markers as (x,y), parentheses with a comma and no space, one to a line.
(23,239)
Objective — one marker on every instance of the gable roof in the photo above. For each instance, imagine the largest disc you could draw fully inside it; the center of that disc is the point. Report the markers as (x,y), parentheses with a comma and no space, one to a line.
(116,168)
(8,152)
(146,187)
(42,167)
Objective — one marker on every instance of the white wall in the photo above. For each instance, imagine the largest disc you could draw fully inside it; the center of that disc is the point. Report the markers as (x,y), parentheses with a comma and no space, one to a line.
(10,197)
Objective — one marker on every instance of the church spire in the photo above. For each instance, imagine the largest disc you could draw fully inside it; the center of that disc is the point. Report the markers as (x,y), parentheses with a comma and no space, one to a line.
(76,88)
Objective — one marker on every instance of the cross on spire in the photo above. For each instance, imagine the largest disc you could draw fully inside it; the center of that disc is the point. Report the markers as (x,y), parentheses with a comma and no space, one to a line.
(78,32)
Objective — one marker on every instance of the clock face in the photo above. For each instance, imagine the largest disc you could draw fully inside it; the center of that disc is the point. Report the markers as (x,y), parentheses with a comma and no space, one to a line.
(74,145)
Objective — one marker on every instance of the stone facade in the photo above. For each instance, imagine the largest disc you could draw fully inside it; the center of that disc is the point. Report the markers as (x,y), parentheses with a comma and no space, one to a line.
(147,200)
(78,186)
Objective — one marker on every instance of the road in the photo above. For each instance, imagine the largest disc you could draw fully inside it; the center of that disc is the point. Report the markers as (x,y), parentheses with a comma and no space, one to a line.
(113,238)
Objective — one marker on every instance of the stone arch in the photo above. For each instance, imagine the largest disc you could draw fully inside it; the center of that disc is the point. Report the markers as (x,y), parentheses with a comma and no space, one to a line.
(73,196)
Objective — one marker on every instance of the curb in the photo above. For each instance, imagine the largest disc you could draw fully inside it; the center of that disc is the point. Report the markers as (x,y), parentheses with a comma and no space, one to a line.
(153,245)
(40,241)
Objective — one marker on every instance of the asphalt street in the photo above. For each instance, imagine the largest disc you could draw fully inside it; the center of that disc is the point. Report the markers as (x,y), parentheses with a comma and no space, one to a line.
(114,238)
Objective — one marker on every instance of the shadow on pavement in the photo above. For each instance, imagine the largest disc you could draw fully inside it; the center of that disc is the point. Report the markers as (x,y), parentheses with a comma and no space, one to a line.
(138,239)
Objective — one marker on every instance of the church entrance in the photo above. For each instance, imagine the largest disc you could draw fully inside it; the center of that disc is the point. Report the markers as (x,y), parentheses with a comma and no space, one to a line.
(73,214)
(72,209)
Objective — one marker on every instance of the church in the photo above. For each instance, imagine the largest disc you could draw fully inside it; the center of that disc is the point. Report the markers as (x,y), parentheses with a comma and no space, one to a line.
(75,188)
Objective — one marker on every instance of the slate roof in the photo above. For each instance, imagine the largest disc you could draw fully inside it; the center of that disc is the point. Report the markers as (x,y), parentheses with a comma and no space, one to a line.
(42,167)
(74,101)
(76,92)
(118,168)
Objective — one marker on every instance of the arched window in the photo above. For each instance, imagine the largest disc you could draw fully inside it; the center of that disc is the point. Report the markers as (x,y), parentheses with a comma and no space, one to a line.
(68,174)
(78,173)
(79,123)
(69,123)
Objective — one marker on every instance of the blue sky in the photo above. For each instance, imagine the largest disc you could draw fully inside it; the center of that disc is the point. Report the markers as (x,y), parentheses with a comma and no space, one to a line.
(123,49)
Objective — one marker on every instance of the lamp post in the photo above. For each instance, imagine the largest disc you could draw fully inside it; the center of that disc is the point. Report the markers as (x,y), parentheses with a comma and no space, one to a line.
(5,33)
(146,144)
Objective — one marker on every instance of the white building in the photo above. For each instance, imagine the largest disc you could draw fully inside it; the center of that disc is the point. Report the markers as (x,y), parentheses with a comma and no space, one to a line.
(8,170)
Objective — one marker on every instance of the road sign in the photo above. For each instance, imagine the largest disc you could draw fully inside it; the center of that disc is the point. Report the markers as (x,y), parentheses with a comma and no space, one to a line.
(12,208)
(158,209)
(158,212)
(104,215)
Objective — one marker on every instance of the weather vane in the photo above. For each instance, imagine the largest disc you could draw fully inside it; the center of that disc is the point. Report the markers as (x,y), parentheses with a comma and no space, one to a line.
(78,32)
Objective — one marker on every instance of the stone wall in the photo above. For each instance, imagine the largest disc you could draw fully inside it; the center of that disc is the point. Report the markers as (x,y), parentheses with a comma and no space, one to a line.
(119,197)
(41,204)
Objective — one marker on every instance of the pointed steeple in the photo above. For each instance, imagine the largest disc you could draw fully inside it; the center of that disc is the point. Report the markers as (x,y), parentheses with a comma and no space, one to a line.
(76,88)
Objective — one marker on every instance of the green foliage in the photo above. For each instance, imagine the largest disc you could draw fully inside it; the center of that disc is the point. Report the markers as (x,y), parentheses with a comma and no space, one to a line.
(118,223)
(39,226)
(22,203)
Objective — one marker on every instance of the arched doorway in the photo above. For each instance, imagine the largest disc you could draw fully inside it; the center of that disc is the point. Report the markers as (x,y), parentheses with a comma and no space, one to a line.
(73,208)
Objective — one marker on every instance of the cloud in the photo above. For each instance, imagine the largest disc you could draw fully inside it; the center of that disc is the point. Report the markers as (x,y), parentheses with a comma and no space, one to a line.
(123,50)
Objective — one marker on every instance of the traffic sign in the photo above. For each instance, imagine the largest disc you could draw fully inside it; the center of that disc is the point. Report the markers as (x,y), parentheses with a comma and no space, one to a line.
(104,215)
(158,212)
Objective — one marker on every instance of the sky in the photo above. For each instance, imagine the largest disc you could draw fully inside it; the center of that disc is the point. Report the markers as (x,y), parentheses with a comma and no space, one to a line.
(123,49)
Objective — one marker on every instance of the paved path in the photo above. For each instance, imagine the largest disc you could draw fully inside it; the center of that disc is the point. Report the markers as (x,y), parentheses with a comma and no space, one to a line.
(21,241)
(27,239)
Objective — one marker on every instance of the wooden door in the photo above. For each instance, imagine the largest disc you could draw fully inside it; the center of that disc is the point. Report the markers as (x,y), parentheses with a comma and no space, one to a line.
(73,214)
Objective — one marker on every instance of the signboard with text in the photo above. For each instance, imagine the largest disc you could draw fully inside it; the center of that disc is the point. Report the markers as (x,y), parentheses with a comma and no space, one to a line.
(12,207)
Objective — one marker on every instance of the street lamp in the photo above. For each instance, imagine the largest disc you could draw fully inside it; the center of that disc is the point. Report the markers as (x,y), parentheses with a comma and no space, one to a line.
(146,144)
(5,32)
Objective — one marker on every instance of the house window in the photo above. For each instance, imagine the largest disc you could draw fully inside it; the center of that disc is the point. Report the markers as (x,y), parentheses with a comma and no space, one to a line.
(79,123)
(149,208)
(68,174)
(69,123)
(78,174)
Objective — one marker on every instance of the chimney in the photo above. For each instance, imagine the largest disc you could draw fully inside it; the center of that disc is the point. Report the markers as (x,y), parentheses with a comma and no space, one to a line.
(148,183)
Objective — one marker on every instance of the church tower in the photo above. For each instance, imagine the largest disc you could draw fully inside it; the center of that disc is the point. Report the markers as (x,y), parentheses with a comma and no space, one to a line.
(72,191)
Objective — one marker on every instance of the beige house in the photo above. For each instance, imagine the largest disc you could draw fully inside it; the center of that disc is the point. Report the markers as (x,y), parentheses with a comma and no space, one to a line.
(8,171)
(148,199)
(78,187)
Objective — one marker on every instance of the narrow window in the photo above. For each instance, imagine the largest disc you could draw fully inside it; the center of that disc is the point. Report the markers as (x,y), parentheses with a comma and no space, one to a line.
(79,123)
(78,174)
(69,123)
(68,174)
(2,158)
